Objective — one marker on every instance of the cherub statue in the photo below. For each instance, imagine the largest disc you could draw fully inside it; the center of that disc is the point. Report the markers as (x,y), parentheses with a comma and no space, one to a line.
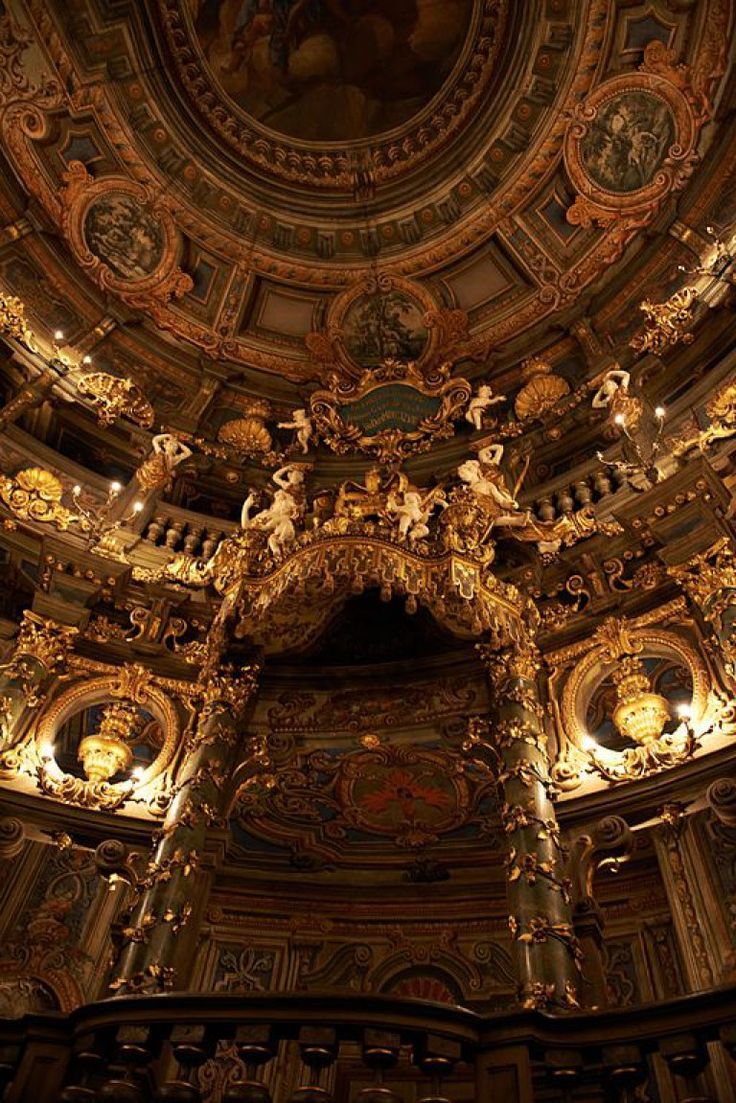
(302,423)
(167,452)
(287,506)
(481,402)
(412,511)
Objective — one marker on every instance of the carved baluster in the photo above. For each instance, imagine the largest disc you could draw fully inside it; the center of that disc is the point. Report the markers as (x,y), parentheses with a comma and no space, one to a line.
(136,1048)
(191,1046)
(686,1058)
(156,528)
(164,891)
(436,1057)
(88,1062)
(255,1046)
(380,1052)
(41,648)
(540,919)
(174,534)
(625,1069)
(318,1047)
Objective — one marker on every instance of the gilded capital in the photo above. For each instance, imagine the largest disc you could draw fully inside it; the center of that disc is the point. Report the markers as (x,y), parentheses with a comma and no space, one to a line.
(44,640)
(228,689)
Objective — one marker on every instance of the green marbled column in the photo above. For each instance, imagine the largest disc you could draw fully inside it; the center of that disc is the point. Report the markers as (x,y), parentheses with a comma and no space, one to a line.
(151,938)
(540,916)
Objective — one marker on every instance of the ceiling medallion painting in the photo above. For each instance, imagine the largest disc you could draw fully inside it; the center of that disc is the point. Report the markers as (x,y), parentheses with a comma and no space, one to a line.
(328,70)
(633,141)
(123,236)
(384,317)
(324,72)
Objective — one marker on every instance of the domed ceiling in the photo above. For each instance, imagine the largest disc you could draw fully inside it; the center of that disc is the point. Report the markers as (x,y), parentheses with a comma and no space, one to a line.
(248,205)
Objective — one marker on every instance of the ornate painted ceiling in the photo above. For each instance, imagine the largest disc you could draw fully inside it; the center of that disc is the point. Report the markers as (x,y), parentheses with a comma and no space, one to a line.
(243,178)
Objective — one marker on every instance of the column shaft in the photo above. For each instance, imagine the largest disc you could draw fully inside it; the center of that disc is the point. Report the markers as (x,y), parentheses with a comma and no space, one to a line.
(151,944)
(548,953)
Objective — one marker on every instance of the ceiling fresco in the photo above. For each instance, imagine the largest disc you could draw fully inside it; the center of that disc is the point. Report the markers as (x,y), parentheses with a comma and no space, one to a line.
(328,70)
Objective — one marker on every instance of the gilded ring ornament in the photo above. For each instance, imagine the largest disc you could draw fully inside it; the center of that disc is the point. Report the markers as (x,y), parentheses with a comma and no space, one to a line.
(102,690)
(124,236)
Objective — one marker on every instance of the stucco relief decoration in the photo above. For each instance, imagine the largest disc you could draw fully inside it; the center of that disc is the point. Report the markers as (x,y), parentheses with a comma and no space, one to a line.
(124,236)
(633,141)
(410,795)
(391,412)
(650,732)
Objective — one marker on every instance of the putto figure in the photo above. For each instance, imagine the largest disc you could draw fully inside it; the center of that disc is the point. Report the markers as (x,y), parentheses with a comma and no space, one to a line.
(287,507)
(302,423)
(481,402)
(411,511)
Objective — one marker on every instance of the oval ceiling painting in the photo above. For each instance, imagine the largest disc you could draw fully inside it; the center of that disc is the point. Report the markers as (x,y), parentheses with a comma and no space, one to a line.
(331,70)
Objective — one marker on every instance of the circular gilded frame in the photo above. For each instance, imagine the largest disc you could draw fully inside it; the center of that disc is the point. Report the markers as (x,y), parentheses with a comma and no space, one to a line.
(674,163)
(593,669)
(101,690)
(83,194)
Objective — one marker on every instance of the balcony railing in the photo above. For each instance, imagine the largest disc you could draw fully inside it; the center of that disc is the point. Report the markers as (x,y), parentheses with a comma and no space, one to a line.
(316,1049)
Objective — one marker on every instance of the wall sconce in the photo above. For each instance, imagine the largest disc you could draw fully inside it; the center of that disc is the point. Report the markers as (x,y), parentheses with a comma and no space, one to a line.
(97,521)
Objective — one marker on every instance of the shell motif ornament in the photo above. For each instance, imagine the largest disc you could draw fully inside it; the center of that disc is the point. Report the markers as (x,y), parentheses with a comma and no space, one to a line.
(542,389)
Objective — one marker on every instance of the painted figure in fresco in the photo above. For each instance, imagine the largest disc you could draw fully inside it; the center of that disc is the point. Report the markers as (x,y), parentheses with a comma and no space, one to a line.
(628,141)
(123,235)
(384,327)
(480,402)
(167,452)
(287,506)
(302,424)
(331,70)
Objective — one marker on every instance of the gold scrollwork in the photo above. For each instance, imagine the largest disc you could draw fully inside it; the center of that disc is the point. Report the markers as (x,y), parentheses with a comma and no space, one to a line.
(390,444)
(114,398)
(35,494)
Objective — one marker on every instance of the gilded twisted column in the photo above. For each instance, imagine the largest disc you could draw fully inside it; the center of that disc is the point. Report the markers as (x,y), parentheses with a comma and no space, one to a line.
(41,648)
(164,893)
(548,955)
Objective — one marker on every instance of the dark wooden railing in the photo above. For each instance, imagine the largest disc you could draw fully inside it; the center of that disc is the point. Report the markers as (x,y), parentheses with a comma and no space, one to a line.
(316,1049)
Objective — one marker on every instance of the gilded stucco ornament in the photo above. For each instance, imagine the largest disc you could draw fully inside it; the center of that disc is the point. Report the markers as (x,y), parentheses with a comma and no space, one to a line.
(618,649)
(709,579)
(115,397)
(13,321)
(44,640)
(667,323)
(35,494)
(543,390)
(248,433)
(392,411)
(633,141)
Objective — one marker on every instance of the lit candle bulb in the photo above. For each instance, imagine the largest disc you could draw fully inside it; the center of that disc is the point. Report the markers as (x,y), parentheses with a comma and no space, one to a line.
(58,334)
(660,412)
(619,419)
(137,507)
(86,359)
(115,487)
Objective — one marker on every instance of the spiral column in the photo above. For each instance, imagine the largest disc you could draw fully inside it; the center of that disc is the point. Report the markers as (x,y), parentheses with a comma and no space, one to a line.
(548,955)
(151,944)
